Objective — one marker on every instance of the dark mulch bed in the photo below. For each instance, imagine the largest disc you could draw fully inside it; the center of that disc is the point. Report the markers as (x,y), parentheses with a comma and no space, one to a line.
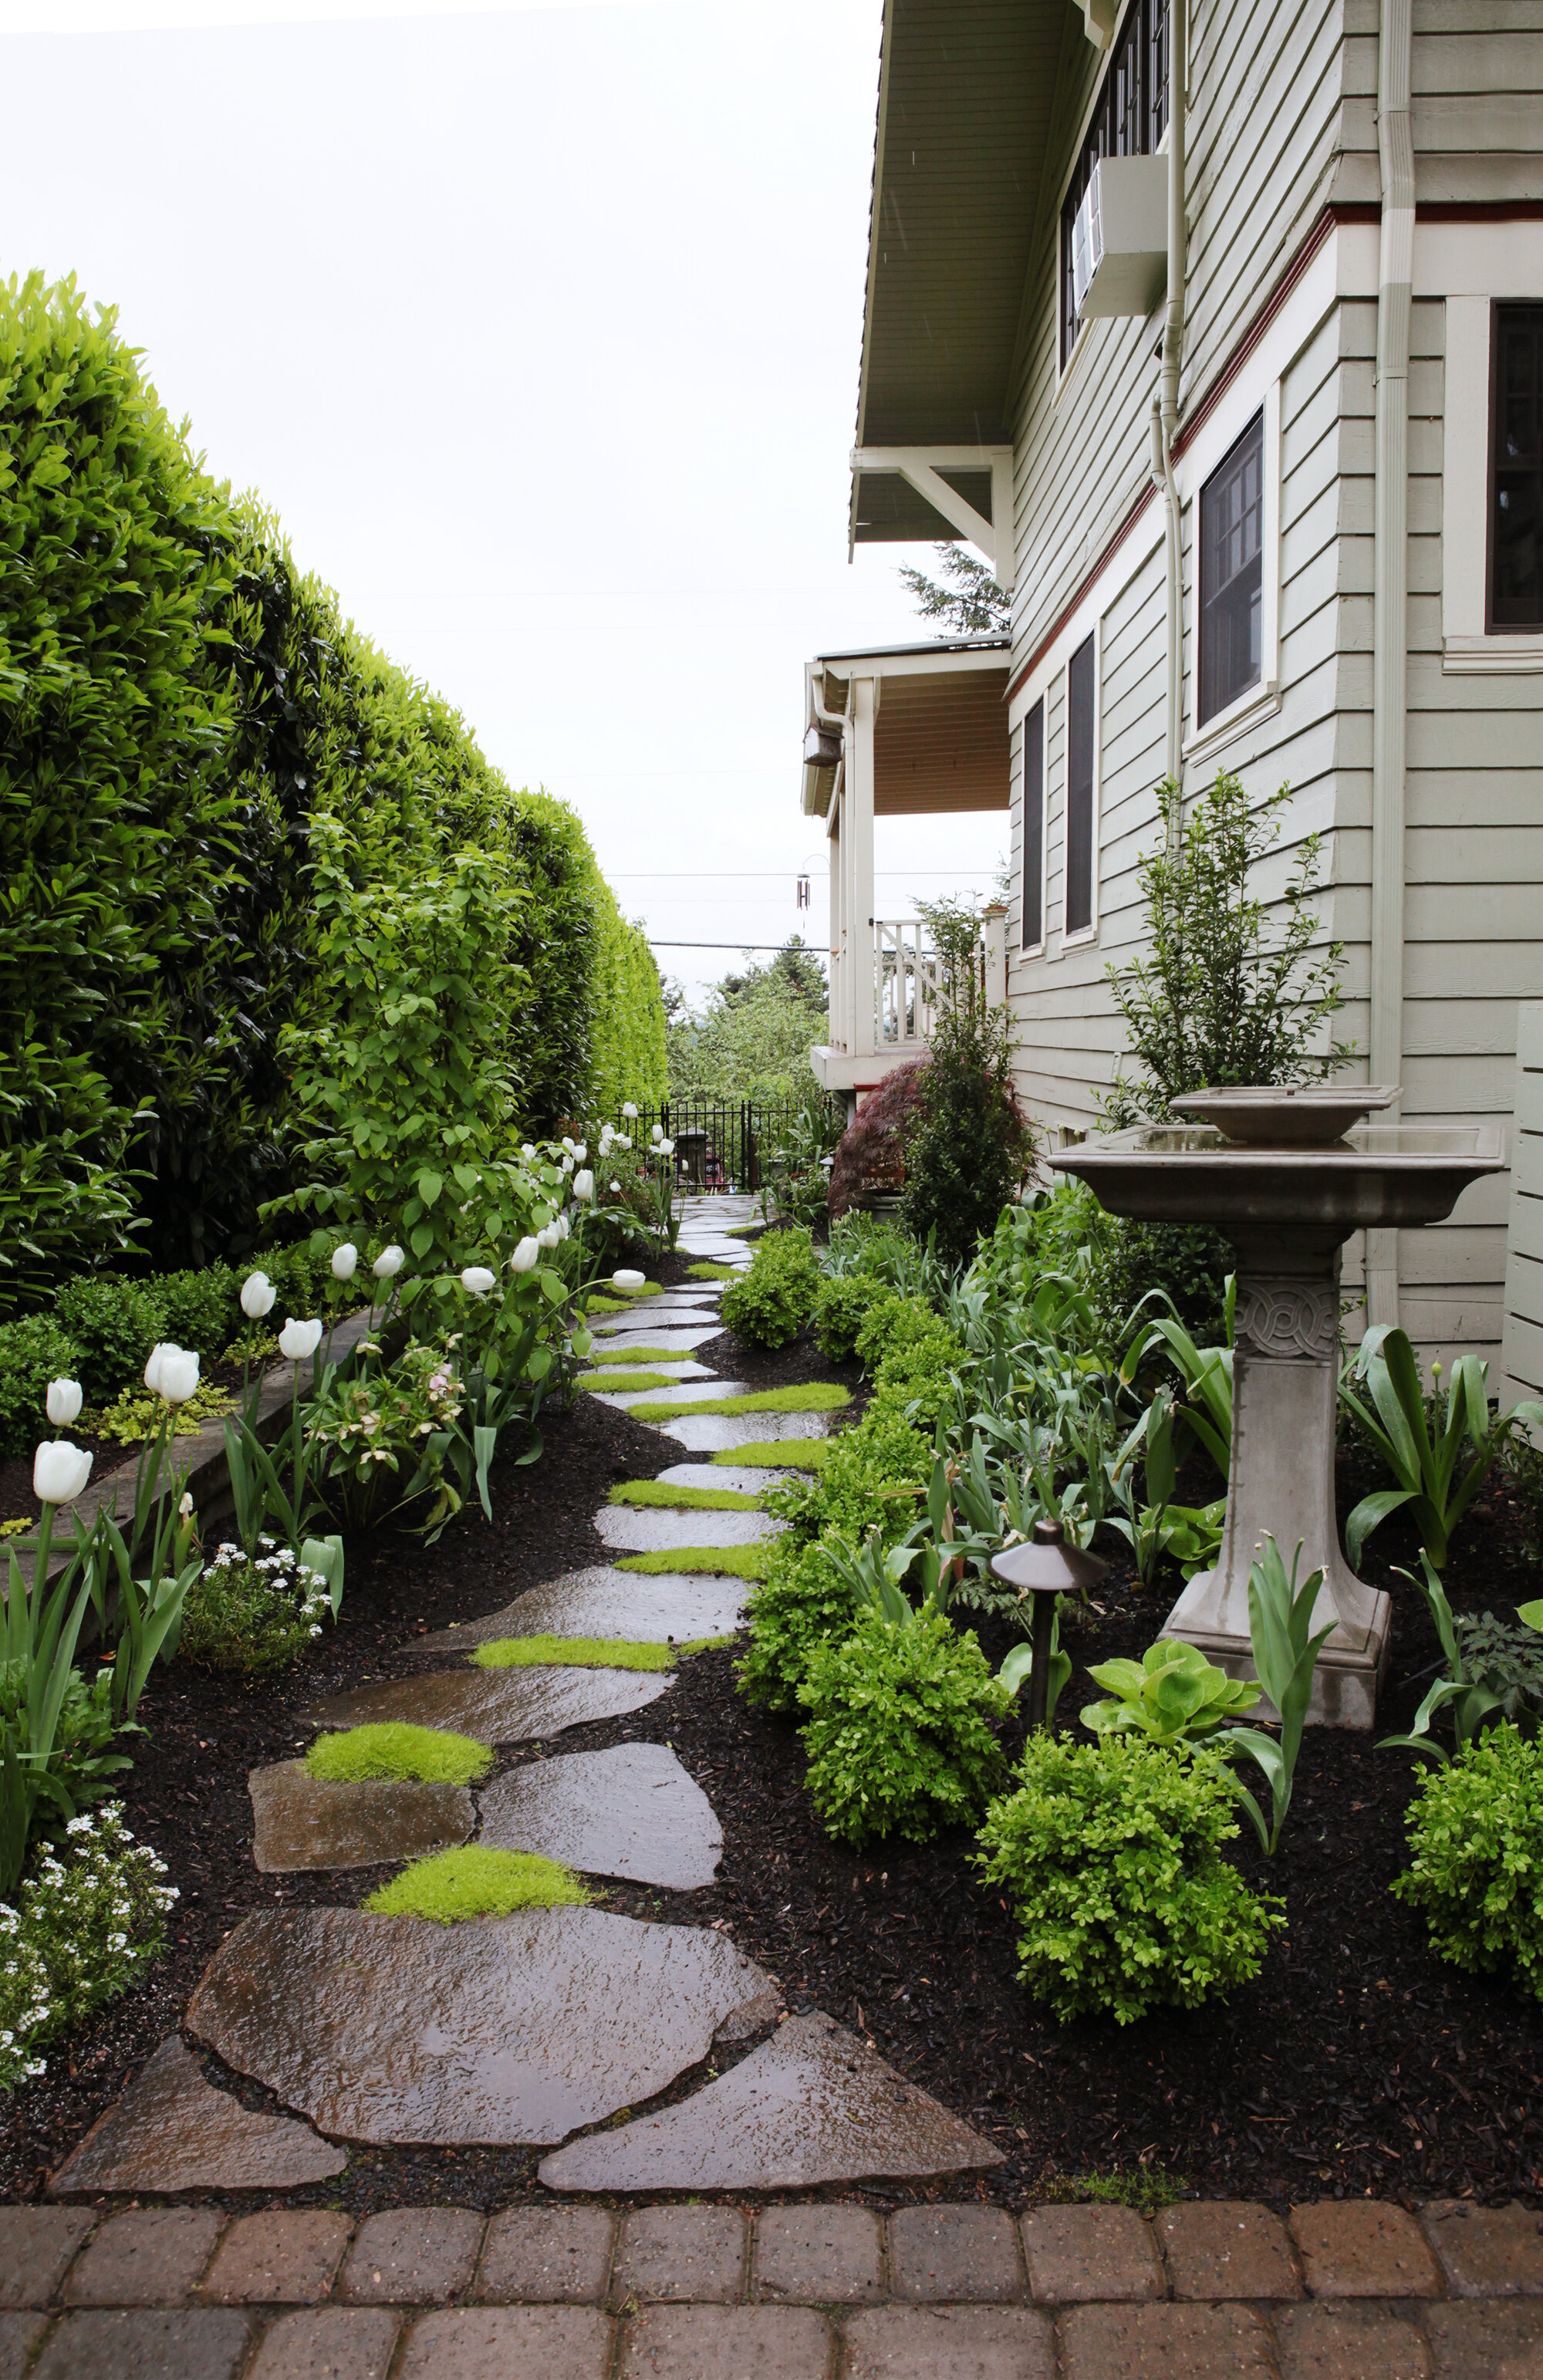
(1357,2063)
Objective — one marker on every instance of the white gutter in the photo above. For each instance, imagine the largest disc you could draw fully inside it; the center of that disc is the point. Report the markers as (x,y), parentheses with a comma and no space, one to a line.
(1395,150)
(1165,405)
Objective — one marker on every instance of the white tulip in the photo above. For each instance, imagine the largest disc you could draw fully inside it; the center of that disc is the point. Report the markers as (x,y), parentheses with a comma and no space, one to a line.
(567,1164)
(345,1261)
(178,1377)
(548,1237)
(389,1263)
(561,1227)
(580,1152)
(567,1144)
(527,1150)
(630,1111)
(584,1187)
(477,1280)
(627,1280)
(624,1140)
(59,1471)
(299,1340)
(65,1400)
(615,1185)
(152,1365)
(525,1256)
(656,1132)
(256,1296)
(665,1148)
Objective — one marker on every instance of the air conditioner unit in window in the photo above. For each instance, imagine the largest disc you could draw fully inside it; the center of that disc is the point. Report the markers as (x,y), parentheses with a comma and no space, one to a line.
(1120,237)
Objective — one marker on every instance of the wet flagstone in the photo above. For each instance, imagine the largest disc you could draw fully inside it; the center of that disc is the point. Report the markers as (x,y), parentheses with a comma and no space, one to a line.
(656,1529)
(673,1338)
(715,1433)
(500,2032)
(812,2104)
(312,1822)
(498,1706)
(671,1607)
(749,1478)
(172,2131)
(677,1313)
(632,1812)
(684,1392)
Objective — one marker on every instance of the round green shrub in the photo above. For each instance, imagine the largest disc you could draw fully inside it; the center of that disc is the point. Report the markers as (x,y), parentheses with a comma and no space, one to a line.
(841,1307)
(771,1303)
(113,1324)
(900,1731)
(1110,1853)
(33,1351)
(1476,1833)
(800,1603)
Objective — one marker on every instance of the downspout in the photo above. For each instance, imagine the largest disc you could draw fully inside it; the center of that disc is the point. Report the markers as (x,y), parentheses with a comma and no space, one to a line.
(1395,150)
(1165,404)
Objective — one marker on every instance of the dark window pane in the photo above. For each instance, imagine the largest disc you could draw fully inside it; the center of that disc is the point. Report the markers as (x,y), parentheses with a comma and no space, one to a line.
(1516,470)
(1079,789)
(1127,121)
(1231,573)
(1034,827)
(1157,71)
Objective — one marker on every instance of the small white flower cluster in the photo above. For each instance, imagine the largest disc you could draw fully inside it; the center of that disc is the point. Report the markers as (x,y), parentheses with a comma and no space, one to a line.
(85,1927)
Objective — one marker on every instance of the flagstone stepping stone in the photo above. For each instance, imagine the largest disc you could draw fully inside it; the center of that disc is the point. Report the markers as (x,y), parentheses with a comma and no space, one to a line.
(666,1367)
(749,1478)
(499,1706)
(678,1393)
(811,2106)
(654,1528)
(670,1607)
(500,2032)
(715,1433)
(173,2131)
(609,1326)
(312,1822)
(676,1341)
(632,1812)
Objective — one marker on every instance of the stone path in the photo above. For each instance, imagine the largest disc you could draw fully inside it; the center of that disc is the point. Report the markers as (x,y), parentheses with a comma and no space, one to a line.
(807,2290)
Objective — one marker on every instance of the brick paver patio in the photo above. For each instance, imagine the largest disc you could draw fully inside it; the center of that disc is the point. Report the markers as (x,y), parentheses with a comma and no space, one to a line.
(813,2290)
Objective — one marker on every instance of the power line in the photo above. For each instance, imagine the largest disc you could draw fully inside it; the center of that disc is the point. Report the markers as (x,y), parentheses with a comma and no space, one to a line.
(726,946)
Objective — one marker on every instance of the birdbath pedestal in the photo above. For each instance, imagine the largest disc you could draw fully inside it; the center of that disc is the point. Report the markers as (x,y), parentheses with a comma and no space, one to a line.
(1287,1176)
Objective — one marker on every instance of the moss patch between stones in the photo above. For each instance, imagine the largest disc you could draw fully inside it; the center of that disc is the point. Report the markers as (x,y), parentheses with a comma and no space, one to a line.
(642,1355)
(391,1748)
(475,1881)
(603,1384)
(727,1561)
(715,1273)
(574,1653)
(778,1455)
(807,1396)
(621,1300)
(659,1492)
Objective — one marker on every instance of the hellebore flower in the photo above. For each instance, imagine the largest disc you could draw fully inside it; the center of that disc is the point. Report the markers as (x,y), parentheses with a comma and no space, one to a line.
(627,1279)
(389,1263)
(299,1340)
(345,1261)
(65,1400)
(256,1296)
(477,1280)
(630,1110)
(584,1187)
(525,1256)
(59,1471)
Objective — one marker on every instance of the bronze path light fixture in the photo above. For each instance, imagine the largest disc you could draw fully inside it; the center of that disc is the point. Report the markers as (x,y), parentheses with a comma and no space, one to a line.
(1046,1566)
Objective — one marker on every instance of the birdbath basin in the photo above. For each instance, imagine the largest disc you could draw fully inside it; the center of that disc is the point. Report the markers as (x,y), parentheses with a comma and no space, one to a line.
(1287,1205)
(1286,1116)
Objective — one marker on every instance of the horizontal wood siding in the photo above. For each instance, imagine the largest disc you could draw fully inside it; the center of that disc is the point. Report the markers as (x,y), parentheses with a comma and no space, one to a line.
(1523,1276)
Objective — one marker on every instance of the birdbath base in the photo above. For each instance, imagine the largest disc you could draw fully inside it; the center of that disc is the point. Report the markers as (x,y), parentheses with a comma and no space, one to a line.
(1286,1391)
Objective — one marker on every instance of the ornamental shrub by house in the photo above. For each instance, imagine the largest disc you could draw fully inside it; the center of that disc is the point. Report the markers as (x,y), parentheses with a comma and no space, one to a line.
(771,1303)
(34,1349)
(900,1733)
(1476,1833)
(1112,1856)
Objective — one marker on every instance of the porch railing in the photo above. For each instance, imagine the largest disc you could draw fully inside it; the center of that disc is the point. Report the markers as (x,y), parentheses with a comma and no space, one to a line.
(905,984)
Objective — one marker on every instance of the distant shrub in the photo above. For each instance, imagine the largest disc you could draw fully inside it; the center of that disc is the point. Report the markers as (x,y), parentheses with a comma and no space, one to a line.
(203,1310)
(1476,1832)
(113,1324)
(801,1601)
(771,1303)
(33,1351)
(900,1729)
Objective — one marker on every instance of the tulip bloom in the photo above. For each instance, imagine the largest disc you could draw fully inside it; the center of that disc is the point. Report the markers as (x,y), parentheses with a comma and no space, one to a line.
(561,1227)
(65,1400)
(626,1279)
(665,1148)
(477,1280)
(656,1132)
(580,1152)
(525,1256)
(548,1237)
(389,1263)
(172,1372)
(584,1187)
(299,1340)
(59,1471)
(630,1111)
(345,1261)
(256,1296)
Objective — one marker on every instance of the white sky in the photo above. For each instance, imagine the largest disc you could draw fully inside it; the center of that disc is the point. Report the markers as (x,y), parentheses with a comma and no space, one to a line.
(539,328)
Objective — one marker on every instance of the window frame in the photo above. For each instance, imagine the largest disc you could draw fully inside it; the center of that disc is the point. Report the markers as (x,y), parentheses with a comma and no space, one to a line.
(1493,627)
(1253,433)
(1215,442)
(1152,29)
(1034,723)
(1481,270)
(1076,937)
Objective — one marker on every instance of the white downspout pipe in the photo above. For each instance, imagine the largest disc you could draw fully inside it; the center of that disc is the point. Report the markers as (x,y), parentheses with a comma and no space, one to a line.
(1395,150)
(1165,404)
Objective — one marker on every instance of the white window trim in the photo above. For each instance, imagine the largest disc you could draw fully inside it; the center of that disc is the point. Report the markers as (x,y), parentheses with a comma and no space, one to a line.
(1037,949)
(1467,646)
(1080,938)
(1261,700)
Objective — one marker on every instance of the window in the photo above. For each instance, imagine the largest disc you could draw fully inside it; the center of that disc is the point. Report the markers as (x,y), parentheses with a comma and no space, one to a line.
(1129,118)
(1034,827)
(1232,574)
(1079,789)
(1516,471)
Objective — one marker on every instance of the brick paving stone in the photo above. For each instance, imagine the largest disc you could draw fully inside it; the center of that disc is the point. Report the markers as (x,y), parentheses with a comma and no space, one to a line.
(1164,2342)
(719,2343)
(20,2333)
(416,2255)
(151,2257)
(950,2343)
(508,2343)
(825,2255)
(1349,2342)
(161,2343)
(1357,2248)
(1489,2251)
(1074,2253)
(955,2254)
(548,2254)
(681,2251)
(1494,2340)
(1224,2248)
(36,2246)
(277,2259)
(329,2343)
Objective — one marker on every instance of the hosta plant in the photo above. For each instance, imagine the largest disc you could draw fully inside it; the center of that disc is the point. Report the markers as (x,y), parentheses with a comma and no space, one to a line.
(1172,1695)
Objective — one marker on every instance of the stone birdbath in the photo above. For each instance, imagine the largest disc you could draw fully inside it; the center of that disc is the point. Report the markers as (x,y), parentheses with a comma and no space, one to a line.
(1287,1176)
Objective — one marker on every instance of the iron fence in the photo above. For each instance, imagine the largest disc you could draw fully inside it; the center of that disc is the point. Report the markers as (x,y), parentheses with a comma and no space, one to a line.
(720,1143)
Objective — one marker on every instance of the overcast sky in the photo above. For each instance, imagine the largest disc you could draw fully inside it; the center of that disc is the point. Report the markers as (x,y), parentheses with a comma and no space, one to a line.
(539,330)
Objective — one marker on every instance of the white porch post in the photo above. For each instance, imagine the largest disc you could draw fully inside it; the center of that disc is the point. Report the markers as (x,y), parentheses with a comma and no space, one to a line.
(857,835)
(836,1026)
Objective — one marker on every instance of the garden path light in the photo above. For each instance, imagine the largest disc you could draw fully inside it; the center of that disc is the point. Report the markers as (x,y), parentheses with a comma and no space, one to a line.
(64,1401)
(1045,1568)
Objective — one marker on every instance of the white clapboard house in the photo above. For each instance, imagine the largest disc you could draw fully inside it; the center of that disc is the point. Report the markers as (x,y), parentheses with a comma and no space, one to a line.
(1219,331)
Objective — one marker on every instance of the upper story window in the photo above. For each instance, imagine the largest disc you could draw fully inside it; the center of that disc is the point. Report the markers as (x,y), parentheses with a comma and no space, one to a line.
(1231,575)
(1517,472)
(1129,119)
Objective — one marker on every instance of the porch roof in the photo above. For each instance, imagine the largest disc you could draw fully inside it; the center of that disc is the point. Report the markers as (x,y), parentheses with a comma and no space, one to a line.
(967,91)
(939,737)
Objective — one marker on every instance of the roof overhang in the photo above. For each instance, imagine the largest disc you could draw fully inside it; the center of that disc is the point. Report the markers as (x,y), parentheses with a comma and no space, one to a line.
(940,736)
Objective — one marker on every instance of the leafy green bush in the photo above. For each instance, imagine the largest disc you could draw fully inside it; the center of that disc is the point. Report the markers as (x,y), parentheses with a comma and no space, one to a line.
(1476,1833)
(627,1055)
(253,1616)
(801,1601)
(85,1927)
(968,1148)
(771,1303)
(82,1762)
(33,1351)
(114,1325)
(900,1731)
(203,1310)
(1110,1853)
(841,1307)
